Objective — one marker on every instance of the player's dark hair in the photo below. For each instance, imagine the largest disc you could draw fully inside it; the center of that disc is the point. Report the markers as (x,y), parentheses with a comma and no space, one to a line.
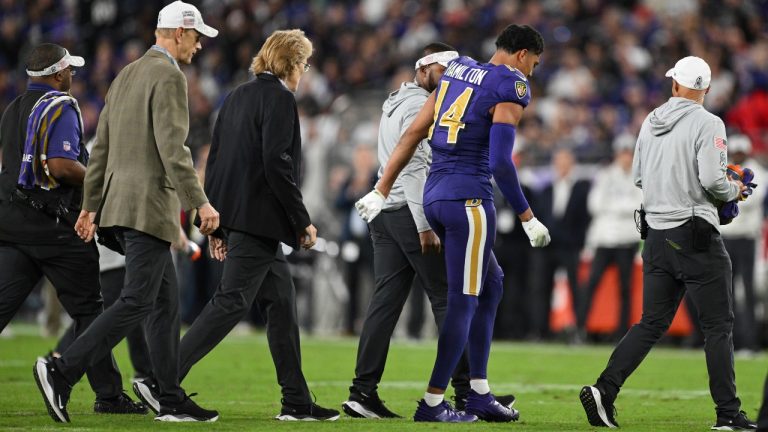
(44,55)
(436,47)
(515,38)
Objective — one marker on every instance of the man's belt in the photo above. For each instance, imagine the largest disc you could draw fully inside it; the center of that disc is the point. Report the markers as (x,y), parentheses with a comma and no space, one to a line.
(57,210)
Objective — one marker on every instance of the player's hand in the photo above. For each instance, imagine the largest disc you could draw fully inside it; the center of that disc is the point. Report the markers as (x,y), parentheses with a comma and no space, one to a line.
(369,206)
(430,242)
(217,248)
(309,238)
(84,227)
(209,219)
(537,233)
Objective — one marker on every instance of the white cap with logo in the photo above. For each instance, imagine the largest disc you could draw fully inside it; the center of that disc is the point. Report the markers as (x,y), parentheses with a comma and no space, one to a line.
(180,14)
(692,72)
(739,143)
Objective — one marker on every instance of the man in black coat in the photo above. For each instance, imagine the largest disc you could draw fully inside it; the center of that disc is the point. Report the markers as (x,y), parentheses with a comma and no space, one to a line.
(251,177)
(561,206)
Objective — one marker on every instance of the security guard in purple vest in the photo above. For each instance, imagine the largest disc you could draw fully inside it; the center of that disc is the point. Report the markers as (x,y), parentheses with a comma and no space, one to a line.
(40,191)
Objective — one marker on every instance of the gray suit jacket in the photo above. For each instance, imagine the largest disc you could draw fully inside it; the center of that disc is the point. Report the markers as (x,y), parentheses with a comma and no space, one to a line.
(140,173)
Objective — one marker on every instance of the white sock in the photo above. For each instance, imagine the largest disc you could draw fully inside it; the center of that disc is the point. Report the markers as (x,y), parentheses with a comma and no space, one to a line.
(433,400)
(480,386)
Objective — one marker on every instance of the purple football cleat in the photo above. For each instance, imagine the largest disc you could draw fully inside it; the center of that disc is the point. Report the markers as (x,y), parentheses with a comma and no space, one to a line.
(443,413)
(487,408)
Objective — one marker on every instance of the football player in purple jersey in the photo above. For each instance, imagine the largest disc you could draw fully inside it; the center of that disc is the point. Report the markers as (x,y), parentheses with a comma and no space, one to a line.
(470,121)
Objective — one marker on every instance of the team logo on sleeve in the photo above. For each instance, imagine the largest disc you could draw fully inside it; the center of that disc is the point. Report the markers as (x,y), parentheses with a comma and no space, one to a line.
(521,88)
(720,143)
(66,146)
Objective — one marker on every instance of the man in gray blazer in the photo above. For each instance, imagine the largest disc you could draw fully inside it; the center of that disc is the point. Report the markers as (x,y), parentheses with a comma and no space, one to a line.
(139,177)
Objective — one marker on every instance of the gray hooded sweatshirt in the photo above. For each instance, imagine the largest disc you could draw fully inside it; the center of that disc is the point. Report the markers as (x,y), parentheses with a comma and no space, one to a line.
(399,111)
(680,163)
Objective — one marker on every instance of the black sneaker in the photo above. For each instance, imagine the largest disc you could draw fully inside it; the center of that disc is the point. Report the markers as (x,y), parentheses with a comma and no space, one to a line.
(600,412)
(736,423)
(366,405)
(460,401)
(186,411)
(54,389)
(309,412)
(149,393)
(119,405)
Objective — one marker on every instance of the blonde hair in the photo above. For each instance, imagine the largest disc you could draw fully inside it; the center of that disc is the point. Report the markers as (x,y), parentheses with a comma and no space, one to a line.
(283,51)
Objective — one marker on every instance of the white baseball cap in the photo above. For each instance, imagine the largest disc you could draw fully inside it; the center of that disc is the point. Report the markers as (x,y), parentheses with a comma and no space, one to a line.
(184,15)
(692,72)
(624,141)
(66,61)
(739,143)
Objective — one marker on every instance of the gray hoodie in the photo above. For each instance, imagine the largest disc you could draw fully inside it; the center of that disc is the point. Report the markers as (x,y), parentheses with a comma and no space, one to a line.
(680,162)
(399,111)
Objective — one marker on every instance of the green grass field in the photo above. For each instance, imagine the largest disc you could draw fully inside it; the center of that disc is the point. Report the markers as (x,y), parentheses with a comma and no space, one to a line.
(667,393)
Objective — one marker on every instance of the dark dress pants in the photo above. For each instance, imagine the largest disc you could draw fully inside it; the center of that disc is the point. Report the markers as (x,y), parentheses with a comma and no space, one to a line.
(397,259)
(544,264)
(742,253)
(762,416)
(73,270)
(671,266)
(255,269)
(150,295)
(624,258)
(111,286)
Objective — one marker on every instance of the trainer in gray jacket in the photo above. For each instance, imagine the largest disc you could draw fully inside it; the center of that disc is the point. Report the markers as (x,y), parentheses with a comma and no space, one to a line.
(406,250)
(680,163)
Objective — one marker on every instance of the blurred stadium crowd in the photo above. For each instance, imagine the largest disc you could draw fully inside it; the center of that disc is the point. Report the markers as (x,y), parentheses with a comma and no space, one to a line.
(601,73)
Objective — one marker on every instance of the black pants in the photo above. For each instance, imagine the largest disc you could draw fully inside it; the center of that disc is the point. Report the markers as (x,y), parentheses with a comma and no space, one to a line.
(671,266)
(544,264)
(762,416)
(514,317)
(73,269)
(397,259)
(151,296)
(742,252)
(111,286)
(255,269)
(624,258)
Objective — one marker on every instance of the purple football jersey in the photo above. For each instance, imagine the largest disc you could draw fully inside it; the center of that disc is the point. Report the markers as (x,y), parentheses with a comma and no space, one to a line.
(459,136)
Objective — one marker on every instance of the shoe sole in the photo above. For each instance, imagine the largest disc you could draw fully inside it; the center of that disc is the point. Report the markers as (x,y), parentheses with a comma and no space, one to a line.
(41,378)
(731,428)
(288,417)
(356,410)
(170,418)
(591,400)
(432,420)
(142,392)
(118,412)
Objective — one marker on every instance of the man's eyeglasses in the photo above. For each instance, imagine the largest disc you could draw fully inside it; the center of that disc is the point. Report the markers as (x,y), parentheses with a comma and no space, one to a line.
(306,66)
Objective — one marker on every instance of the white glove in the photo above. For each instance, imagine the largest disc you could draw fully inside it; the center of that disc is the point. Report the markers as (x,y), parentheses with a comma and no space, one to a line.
(369,206)
(536,232)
